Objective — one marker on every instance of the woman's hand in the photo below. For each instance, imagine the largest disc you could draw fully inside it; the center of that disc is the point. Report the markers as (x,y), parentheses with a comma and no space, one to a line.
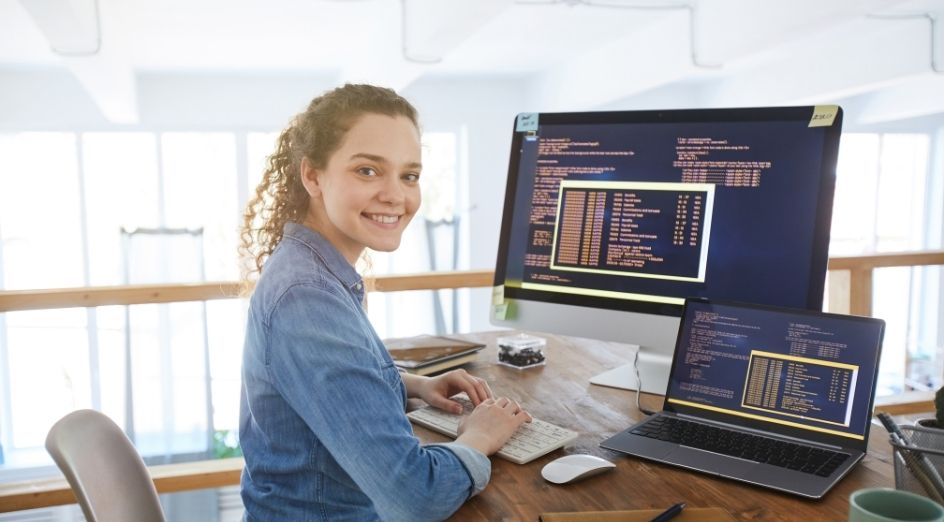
(491,424)
(436,391)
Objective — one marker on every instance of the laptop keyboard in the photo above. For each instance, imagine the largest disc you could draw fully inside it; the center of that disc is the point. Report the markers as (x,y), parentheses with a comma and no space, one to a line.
(531,441)
(808,459)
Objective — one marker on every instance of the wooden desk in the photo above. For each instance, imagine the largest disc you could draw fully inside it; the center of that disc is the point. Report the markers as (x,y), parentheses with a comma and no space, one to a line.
(560,393)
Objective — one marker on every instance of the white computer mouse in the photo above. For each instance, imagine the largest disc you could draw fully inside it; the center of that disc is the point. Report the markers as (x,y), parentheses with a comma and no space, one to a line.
(570,468)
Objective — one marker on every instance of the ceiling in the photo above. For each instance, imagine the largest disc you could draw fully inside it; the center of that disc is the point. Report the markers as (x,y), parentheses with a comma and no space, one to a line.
(569,54)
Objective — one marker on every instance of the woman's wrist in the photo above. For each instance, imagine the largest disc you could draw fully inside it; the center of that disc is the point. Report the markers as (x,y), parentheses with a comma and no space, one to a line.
(476,441)
(413,384)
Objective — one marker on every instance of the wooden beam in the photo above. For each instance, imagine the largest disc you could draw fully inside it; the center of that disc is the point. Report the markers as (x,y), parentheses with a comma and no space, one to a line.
(860,292)
(15,300)
(431,281)
(115,295)
(838,281)
(171,293)
(922,258)
(907,403)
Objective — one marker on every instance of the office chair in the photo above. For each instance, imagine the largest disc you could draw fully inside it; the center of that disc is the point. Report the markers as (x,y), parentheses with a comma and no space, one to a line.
(107,475)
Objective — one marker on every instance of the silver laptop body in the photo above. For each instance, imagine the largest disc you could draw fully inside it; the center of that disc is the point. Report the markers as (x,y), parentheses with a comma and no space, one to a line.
(798,377)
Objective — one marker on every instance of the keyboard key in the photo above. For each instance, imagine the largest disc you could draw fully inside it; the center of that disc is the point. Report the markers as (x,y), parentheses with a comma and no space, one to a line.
(807,459)
(531,441)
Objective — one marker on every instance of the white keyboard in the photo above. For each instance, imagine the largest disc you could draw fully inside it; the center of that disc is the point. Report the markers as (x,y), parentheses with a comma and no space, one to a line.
(531,441)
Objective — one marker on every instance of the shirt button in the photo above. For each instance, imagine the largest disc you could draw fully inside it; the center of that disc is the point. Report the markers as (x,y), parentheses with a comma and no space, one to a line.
(359,286)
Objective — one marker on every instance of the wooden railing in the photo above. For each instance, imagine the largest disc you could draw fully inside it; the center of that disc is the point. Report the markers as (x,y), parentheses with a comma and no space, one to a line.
(850,278)
(850,292)
(170,478)
(17,300)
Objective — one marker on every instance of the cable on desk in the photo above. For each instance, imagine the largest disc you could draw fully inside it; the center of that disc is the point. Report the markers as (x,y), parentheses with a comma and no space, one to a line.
(639,385)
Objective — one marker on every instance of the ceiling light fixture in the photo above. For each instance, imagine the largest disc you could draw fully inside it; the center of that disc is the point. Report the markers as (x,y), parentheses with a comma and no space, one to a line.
(73,28)
(932,20)
(407,54)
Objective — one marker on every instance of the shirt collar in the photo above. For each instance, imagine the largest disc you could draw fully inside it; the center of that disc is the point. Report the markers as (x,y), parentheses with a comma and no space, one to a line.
(332,258)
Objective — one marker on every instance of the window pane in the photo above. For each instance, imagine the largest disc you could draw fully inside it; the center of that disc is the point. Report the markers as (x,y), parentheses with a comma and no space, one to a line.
(111,361)
(428,244)
(900,205)
(49,377)
(200,191)
(170,407)
(259,145)
(881,206)
(121,190)
(226,321)
(438,180)
(854,203)
(40,223)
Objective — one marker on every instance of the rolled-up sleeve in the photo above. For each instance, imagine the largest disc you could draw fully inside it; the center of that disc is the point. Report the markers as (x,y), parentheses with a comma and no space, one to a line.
(476,463)
(322,362)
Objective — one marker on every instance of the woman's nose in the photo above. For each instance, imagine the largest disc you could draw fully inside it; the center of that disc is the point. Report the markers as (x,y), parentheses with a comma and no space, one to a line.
(392,191)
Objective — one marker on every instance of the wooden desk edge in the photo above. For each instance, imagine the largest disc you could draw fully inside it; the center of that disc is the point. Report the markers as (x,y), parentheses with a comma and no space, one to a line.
(906,403)
(168,478)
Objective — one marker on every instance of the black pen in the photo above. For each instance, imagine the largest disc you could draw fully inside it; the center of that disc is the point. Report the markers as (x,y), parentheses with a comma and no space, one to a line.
(669,513)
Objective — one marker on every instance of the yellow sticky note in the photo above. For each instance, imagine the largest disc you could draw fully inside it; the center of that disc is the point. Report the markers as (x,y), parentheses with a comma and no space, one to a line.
(527,121)
(498,294)
(823,115)
(504,310)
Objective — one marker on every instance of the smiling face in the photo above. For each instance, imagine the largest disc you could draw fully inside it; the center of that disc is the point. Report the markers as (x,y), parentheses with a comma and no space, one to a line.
(369,190)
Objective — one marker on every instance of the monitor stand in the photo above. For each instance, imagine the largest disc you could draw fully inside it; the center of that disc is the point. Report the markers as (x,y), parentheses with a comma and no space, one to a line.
(653,371)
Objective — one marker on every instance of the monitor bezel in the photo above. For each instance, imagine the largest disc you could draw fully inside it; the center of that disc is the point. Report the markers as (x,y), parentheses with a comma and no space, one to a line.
(819,254)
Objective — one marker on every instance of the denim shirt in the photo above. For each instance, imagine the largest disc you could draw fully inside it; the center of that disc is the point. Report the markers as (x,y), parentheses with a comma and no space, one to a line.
(322,415)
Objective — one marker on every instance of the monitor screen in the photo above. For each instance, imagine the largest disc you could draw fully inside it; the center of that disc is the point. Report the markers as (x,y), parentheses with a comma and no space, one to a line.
(632,212)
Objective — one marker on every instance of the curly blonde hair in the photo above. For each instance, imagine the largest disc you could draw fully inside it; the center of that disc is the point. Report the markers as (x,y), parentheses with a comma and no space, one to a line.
(315,134)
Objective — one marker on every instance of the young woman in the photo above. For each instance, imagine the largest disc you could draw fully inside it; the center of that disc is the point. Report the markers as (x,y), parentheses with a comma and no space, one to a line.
(322,415)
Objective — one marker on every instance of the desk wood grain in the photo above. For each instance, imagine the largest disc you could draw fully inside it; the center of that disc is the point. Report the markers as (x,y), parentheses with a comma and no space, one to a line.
(560,393)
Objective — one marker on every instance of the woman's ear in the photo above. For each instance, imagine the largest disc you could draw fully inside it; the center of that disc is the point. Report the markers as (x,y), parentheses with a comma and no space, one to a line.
(309,175)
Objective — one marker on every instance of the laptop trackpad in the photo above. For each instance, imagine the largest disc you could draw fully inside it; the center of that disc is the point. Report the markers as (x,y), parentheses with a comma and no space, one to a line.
(710,462)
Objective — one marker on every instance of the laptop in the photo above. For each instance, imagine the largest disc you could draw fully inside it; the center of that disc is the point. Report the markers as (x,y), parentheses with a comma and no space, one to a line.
(776,397)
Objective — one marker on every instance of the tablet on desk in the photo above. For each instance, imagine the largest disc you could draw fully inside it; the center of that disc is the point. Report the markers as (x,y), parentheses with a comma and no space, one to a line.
(414,353)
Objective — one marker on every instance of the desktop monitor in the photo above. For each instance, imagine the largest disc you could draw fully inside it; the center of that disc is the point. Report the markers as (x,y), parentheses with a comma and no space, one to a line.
(612,219)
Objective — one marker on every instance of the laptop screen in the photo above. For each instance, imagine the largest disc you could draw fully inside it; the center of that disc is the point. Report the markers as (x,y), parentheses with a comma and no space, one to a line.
(800,373)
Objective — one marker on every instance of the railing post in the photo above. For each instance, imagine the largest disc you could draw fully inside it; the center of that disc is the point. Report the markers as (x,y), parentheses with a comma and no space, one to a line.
(860,291)
(838,281)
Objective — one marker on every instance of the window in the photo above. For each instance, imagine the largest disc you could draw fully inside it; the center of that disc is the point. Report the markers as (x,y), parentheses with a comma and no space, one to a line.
(40,247)
(61,225)
(883,204)
(880,186)
(39,202)
(431,243)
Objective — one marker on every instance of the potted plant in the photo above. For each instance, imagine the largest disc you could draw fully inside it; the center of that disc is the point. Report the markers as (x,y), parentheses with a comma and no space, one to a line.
(938,421)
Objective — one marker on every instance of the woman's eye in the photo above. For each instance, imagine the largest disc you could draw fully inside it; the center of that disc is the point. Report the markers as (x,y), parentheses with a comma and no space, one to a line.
(367,171)
(412,177)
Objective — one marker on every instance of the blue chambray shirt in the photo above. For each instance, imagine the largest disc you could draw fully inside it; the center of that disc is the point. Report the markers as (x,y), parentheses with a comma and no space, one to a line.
(322,423)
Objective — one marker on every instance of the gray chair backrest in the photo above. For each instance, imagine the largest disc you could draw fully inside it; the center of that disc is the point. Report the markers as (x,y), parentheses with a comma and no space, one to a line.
(106,472)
